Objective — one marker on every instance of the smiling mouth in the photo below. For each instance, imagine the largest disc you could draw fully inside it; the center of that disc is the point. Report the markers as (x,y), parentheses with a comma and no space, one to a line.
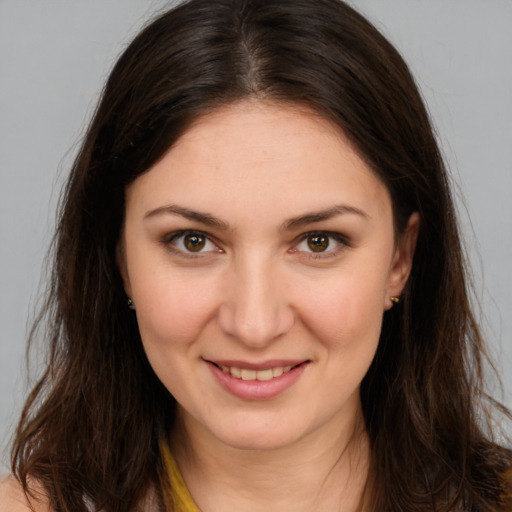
(261,375)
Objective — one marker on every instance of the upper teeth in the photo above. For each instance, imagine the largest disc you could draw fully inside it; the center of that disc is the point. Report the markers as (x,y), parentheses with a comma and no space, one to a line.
(246,374)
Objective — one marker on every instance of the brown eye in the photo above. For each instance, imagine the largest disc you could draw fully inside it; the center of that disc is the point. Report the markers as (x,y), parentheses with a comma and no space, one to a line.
(318,243)
(190,243)
(194,242)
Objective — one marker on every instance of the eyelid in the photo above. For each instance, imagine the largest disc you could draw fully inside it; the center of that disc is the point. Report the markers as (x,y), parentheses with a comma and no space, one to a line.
(343,242)
(169,239)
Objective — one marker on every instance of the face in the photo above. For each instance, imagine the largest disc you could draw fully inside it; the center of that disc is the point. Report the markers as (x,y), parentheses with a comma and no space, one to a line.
(260,255)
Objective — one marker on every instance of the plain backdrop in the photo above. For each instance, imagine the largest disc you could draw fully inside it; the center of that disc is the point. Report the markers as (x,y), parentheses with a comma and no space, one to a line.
(56,54)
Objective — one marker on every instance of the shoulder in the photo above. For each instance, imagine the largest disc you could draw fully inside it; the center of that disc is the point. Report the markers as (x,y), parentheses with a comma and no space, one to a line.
(13,499)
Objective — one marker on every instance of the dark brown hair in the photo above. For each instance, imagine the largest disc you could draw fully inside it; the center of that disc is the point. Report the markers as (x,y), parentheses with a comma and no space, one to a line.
(90,428)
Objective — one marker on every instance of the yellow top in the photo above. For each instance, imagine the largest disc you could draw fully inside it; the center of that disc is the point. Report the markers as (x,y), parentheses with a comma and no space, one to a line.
(176,495)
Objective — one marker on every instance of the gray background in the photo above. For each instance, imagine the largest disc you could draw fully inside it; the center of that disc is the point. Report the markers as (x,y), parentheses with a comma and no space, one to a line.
(56,54)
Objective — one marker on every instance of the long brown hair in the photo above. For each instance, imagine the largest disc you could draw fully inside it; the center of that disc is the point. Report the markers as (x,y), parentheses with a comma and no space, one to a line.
(90,428)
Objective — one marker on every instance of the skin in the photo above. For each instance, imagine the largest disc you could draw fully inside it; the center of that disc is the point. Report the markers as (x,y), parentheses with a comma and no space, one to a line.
(13,499)
(256,185)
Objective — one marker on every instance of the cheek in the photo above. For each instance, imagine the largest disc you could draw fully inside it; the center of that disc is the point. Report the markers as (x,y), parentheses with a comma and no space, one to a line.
(346,313)
(172,312)
(172,308)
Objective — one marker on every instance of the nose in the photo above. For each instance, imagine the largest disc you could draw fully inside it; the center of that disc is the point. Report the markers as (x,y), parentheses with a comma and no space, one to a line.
(256,309)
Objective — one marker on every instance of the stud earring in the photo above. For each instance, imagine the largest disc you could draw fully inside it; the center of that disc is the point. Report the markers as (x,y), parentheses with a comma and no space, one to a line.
(395,300)
(130,303)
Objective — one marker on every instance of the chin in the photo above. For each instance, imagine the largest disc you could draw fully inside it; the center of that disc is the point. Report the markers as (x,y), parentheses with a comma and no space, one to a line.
(258,434)
(259,441)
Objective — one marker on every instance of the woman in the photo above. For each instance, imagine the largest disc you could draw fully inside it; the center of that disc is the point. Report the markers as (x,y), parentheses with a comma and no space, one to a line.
(259,298)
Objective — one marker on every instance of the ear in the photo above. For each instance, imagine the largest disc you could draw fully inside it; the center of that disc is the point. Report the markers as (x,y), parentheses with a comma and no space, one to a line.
(402,260)
(122,267)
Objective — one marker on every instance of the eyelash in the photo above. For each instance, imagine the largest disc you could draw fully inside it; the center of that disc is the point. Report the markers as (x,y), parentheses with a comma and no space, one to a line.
(169,242)
(342,242)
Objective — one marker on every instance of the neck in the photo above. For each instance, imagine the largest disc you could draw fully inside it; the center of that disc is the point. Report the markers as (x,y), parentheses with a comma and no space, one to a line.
(325,470)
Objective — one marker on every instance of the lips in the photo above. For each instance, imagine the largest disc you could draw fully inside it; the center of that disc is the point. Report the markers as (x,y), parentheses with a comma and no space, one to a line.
(260,381)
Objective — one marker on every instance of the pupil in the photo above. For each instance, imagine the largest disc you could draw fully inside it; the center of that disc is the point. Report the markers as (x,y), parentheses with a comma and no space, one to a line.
(194,242)
(318,243)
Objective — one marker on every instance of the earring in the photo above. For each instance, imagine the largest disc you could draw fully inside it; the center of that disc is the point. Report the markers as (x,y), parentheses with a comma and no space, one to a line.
(395,300)
(130,303)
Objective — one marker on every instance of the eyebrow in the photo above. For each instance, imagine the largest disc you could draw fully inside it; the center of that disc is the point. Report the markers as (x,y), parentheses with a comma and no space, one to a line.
(296,222)
(204,218)
(321,215)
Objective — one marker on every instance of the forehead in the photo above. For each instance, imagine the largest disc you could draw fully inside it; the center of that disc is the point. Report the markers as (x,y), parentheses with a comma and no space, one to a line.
(256,130)
(262,155)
